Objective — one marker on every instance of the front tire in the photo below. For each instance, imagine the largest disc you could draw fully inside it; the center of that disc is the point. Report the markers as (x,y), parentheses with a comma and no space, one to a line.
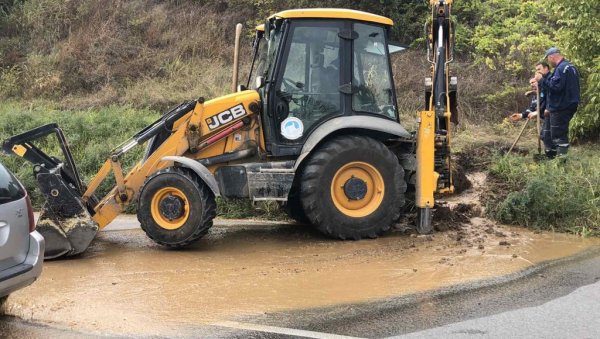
(175,207)
(352,188)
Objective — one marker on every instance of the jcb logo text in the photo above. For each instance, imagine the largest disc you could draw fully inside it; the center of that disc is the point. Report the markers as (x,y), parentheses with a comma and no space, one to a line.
(225,117)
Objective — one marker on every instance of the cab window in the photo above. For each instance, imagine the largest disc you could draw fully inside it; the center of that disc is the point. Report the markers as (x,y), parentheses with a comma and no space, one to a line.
(371,72)
(310,80)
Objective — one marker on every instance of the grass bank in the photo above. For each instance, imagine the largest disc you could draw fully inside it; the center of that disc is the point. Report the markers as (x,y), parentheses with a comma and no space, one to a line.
(91,133)
(547,195)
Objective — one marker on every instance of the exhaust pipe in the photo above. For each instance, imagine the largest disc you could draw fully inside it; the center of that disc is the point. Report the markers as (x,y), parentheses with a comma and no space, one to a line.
(236,57)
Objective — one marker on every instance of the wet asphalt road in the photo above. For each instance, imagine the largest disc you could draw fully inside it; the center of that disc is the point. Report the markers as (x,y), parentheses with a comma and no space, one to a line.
(18,329)
(404,315)
(411,314)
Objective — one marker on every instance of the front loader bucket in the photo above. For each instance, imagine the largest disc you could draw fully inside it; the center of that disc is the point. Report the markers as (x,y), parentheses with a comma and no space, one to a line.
(68,236)
(66,220)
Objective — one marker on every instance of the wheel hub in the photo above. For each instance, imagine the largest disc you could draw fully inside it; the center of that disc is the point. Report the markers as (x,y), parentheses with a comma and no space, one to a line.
(355,188)
(172,207)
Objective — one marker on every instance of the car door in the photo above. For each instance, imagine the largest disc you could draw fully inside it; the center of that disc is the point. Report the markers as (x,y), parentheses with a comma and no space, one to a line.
(14,221)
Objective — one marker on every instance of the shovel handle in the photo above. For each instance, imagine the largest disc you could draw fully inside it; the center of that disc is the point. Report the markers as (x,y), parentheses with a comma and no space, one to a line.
(537,109)
(518,137)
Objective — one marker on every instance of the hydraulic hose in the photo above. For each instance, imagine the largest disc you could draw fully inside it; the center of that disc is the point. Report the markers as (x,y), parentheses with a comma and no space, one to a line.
(229,157)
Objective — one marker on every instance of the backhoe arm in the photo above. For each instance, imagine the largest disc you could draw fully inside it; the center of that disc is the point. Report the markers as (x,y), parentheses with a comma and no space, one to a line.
(434,131)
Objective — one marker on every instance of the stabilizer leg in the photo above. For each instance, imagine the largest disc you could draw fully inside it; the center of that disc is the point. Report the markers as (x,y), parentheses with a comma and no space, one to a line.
(424,217)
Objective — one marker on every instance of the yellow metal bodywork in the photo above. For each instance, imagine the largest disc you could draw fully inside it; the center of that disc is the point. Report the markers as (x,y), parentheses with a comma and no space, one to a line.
(426,176)
(333,13)
(178,145)
(427,138)
(373,197)
(19,150)
(97,180)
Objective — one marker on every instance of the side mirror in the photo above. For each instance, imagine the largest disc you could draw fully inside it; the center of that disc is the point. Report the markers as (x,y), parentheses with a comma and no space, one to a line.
(260,82)
(394,47)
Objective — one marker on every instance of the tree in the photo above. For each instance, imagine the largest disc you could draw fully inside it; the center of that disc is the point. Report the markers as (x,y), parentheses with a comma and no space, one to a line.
(579,40)
(512,35)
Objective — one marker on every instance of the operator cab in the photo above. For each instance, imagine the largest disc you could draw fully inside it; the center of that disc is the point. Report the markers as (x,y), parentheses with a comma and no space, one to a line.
(310,70)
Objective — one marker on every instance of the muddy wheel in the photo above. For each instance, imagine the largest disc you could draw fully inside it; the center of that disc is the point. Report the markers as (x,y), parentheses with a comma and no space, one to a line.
(175,208)
(293,207)
(353,187)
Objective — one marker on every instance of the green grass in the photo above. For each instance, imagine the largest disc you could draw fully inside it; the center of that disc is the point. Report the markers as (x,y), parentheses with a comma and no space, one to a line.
(91,134)
(245,209)
(548,195)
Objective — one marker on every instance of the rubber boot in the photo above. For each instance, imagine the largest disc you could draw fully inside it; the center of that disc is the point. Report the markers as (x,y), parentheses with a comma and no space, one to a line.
(561,153)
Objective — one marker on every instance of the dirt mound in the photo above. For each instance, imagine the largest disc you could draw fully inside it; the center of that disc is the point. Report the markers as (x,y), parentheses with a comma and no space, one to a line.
(448,217)
(459,178)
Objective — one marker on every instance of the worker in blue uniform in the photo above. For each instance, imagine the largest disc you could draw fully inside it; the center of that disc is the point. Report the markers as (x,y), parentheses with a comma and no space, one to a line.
(531,112)
(562,90)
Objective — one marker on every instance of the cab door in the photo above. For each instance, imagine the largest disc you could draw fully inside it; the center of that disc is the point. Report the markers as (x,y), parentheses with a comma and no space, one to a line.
(306,87)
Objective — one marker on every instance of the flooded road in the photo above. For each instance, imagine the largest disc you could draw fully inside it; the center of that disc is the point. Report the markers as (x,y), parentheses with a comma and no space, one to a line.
(126,285)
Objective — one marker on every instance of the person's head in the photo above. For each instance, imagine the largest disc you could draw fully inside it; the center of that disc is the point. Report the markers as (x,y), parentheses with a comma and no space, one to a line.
(542,67)
(533,84)
(553,56)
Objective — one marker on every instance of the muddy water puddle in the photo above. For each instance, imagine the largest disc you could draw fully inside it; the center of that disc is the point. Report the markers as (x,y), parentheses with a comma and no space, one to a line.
(126,284)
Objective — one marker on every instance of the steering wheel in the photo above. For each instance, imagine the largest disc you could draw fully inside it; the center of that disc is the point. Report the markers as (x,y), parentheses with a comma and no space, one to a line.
(290,85)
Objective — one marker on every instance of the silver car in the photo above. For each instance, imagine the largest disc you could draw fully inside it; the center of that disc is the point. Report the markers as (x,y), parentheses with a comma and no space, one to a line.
(21,247)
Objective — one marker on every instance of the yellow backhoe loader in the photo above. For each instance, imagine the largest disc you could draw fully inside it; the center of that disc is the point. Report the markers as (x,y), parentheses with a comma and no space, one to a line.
(318,131)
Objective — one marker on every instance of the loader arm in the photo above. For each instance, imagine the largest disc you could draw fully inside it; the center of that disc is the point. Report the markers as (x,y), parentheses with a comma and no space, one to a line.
(196,130)
(72,215)
(434,132)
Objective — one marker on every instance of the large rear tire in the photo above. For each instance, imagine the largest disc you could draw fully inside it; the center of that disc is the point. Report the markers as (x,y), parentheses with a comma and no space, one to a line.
(175,207)
(353,187)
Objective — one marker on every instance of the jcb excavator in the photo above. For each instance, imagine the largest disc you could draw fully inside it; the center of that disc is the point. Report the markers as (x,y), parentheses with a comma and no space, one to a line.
(318,132)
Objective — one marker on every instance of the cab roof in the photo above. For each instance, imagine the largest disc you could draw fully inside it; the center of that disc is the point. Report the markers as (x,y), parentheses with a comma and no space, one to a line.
(333,13)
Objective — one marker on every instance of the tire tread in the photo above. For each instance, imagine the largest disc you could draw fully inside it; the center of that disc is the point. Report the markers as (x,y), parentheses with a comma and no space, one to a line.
(208,203)
(311,181)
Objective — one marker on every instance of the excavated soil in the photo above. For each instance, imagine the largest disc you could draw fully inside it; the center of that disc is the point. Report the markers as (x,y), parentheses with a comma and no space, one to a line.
(125,284)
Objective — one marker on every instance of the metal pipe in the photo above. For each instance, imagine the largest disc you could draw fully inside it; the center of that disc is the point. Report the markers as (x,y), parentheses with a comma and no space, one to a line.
(228,157)
(440,37)
(236,57)
(221,134)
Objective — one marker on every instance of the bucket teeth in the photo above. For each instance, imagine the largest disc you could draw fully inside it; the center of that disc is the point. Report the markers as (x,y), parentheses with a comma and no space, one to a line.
(66,236)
